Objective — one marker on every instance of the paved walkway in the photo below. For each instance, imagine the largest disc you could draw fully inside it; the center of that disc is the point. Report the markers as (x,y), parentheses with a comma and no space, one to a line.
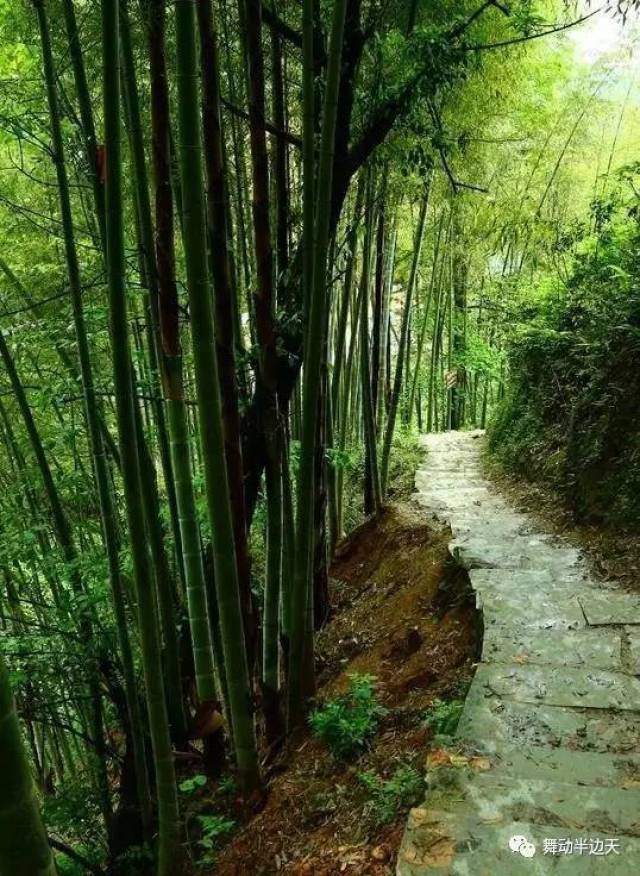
(550,732)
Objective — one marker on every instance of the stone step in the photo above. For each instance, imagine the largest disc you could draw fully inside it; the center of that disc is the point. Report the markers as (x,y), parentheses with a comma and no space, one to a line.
(476,805)
(611,608)
(450,503)
(495,725)
(547,612)
(548,744)
(532,581)
(560,686)
(448,844)
(493,529)
(445,494)
(568,766)
(473,553)
(446,485)
(587,647)
(498,797)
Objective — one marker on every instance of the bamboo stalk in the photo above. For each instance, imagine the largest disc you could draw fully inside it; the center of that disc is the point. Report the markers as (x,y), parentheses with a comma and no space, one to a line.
(208,398)
(147,613)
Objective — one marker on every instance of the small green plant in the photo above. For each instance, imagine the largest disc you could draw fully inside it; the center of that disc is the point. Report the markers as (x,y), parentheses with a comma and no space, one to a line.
(215,829)
(190,786)
(72,806)
(389,797)
(340,458)
(345,725)
(442,717)
(227,786)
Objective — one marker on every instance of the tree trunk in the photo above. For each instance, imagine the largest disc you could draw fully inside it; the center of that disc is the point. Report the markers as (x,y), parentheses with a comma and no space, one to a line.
(425,321)
(315,268)
(147,617)
(209,401)
(23,841)
(171,364)
(226,306)
(108,515)
(402,345)
(264,307)
(372,486)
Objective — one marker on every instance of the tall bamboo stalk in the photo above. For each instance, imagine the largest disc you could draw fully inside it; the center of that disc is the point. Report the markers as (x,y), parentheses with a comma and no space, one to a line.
(122,368)
(372,485)
(385,377)
(149,276)
(86,113)
(449,389)
(425,320)
(314,269)
(347,397)
(208,397)
(226,310)
(343,316)
(108,514)
(402,345)
(171,363)
(264,308)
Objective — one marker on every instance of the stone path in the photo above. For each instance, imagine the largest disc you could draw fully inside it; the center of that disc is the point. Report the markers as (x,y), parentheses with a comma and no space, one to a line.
(549,738)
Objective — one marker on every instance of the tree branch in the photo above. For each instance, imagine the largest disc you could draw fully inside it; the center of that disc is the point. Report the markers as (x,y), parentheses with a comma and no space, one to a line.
(481,47)
(269,127)
(386,114)
(456,185)
(465,25)
(59,846)
(276,23)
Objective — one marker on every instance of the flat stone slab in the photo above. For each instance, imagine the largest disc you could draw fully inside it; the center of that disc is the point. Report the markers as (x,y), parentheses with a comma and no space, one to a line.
(505,798)
(493,725)
(548,612)
(548,745)
(604,609)
(632,637)
(448,844)
(528,581)
(510,553)
(561,686)
(568,766)
(596,648)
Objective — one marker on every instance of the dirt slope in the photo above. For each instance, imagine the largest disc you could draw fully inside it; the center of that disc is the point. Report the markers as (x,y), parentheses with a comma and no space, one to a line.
(399,616)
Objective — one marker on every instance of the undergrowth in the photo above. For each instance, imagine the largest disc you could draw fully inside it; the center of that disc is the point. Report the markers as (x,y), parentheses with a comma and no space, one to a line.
(442,716)
(571,412)
(347,724)
(406,455)
(387,798)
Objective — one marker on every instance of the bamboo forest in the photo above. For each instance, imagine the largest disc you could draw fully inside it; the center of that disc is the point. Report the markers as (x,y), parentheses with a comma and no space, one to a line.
(319,437)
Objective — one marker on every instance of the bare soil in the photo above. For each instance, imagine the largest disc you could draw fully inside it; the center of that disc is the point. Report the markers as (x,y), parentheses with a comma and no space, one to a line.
(401,614)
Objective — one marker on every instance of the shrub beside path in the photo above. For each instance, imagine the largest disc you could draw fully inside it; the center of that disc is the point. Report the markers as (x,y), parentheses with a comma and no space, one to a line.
(544,773)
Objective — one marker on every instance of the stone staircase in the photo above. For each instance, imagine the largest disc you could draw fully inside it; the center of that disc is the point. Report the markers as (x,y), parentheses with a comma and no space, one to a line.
(544,774)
